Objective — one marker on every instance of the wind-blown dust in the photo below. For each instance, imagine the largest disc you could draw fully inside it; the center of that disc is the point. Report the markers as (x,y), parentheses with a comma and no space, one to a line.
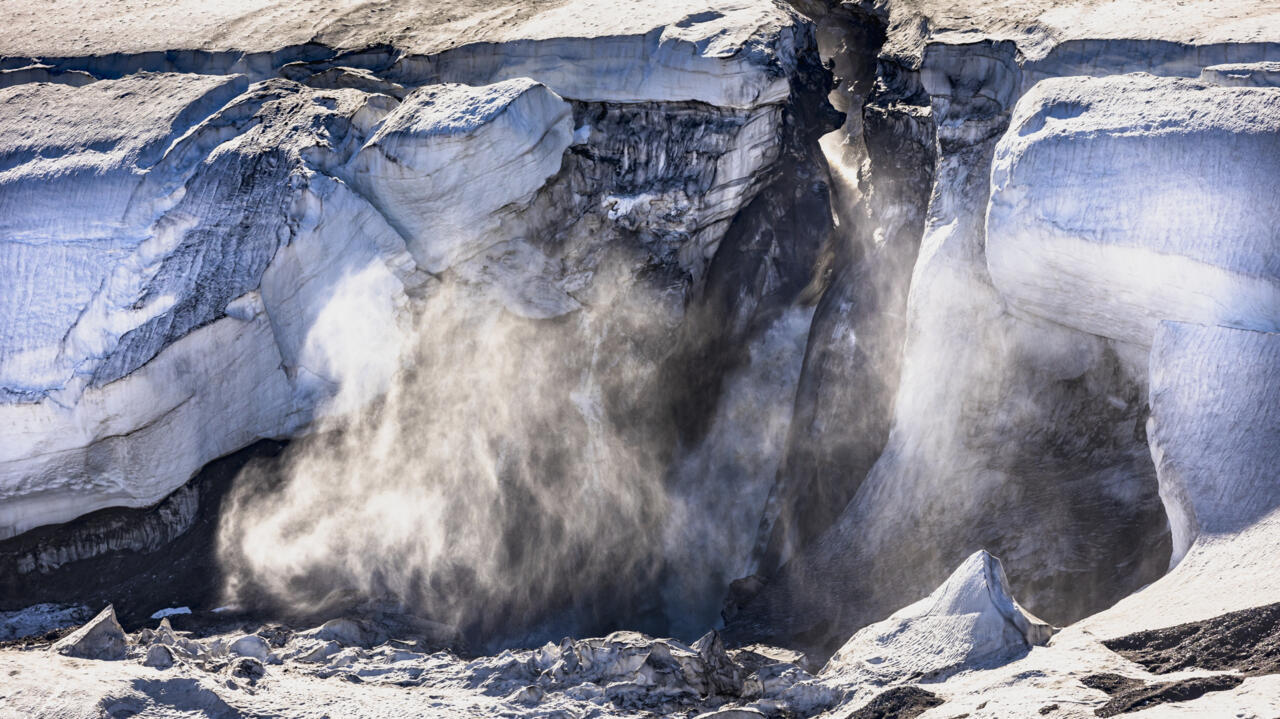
(511,474)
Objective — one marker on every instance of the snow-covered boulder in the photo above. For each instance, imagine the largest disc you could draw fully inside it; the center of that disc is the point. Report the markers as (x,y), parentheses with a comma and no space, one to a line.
(1118,202)
(158,657)
(970,622)
(250,645)
(100,638)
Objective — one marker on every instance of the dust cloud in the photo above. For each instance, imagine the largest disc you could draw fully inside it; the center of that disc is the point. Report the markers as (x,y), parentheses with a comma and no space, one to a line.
(510,480)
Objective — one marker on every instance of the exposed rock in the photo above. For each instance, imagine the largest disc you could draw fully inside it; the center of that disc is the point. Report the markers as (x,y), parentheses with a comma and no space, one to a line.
(101,638)
(898,703)
(39,619)
(1131,695)
(247,668)
(1247,641)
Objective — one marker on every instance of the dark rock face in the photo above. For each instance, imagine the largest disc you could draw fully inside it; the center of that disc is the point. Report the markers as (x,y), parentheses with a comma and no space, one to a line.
(1131,695)
(898,703)
(851,365)
(43,551)
(1247,641)
(139,560)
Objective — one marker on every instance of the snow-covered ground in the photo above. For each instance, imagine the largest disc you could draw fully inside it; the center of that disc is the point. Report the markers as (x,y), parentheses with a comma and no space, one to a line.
(386,665)
(967,649)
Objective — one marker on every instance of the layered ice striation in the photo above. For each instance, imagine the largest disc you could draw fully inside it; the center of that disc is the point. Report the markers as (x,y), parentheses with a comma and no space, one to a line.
(166,343)
(212,242)
(1119,202)
(1215,428)
(75,161)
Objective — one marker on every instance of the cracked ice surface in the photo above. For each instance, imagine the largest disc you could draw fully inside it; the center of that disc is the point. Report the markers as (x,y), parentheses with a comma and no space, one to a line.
(172,239)
(204,253)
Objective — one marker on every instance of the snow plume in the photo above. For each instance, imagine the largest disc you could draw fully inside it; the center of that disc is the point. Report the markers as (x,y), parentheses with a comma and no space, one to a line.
(511,473)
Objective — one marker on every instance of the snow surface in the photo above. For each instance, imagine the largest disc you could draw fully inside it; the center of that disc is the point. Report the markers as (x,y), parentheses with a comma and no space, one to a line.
(715,52)
(1041,27)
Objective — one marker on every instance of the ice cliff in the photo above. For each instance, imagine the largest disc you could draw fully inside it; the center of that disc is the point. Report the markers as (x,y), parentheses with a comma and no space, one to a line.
(1051,230)
(200,240)
(744,356)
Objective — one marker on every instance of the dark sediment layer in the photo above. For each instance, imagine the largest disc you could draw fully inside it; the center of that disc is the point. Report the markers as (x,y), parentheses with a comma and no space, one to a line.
(1247,641)
(898,703)
(174,563)
(1131,695)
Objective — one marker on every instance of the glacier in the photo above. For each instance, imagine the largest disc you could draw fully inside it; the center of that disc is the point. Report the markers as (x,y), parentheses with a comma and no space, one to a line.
(285,225)
(808,358)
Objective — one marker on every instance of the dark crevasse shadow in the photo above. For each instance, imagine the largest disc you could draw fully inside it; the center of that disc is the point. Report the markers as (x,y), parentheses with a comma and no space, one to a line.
(140,560)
